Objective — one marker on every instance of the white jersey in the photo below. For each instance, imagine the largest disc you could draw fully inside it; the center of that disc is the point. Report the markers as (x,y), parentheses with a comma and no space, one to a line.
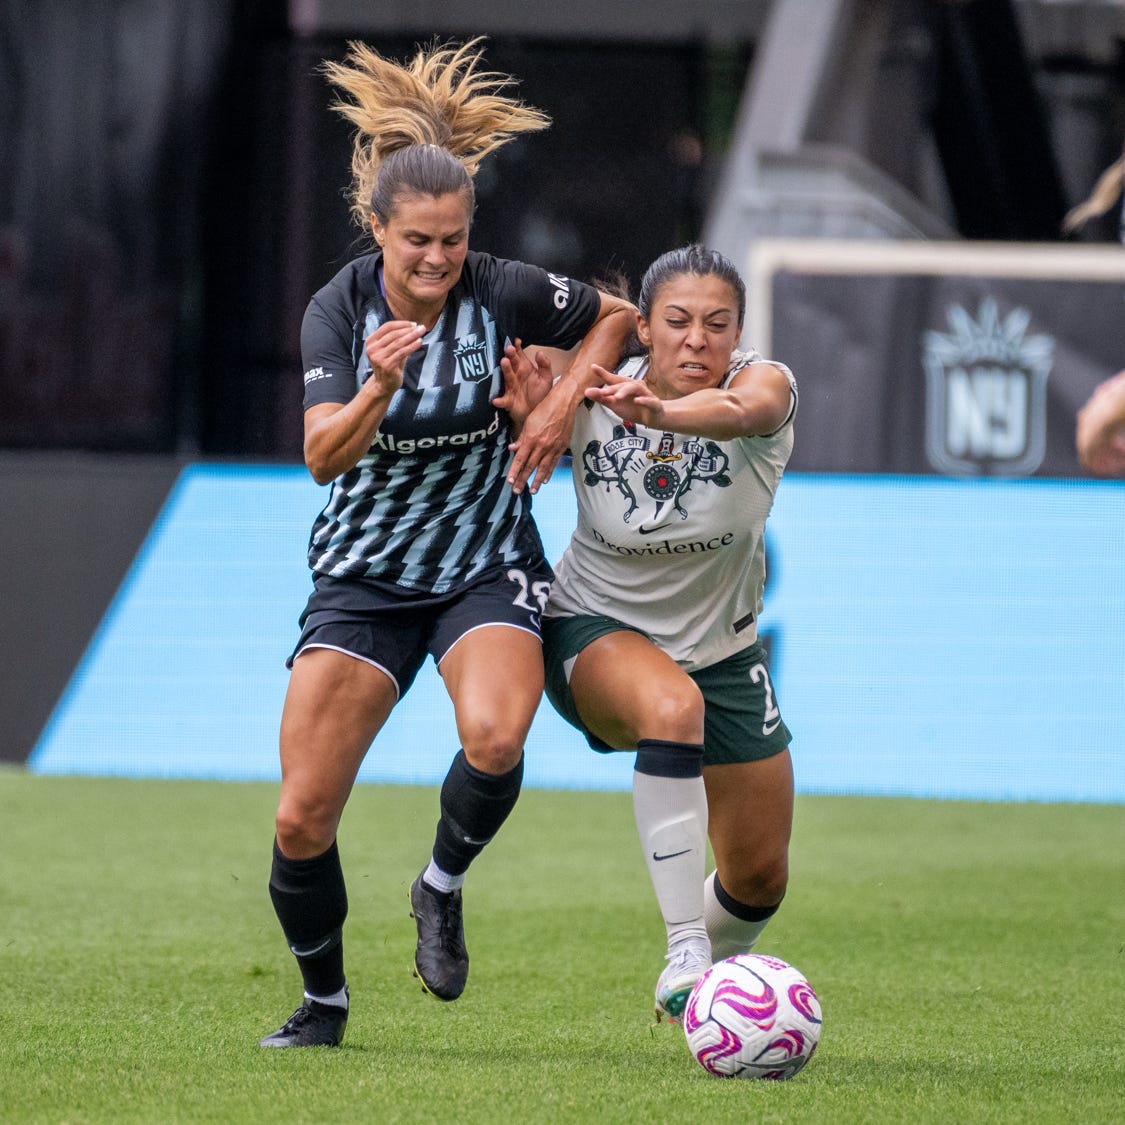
(670,536)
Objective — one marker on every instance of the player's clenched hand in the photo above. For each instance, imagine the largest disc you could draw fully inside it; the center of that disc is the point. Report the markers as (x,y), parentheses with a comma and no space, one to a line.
(630,399)
(387,350)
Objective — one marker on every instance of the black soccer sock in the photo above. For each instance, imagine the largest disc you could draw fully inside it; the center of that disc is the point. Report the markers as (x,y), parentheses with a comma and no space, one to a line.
(474,805)
(658,757)
(311,903)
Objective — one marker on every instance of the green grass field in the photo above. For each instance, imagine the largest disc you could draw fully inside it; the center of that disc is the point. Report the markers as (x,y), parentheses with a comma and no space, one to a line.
(969,959)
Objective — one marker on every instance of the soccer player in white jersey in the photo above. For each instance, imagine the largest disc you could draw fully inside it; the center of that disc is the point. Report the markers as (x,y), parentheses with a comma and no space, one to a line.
(426,545)
(650,634)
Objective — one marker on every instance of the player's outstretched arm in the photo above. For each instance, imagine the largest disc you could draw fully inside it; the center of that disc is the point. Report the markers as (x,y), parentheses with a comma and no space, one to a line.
(546,433)
(1100,429)
(757,401)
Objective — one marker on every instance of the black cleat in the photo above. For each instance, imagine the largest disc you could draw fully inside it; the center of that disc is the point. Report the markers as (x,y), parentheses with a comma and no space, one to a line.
(441,961)
(311,1025)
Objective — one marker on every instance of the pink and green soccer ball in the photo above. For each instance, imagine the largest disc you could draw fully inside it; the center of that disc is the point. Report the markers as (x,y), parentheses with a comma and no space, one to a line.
(752,1016)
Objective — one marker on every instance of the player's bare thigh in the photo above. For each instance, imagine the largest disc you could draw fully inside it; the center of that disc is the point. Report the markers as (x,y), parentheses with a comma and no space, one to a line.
(626,689)
(494,676)
(334,707)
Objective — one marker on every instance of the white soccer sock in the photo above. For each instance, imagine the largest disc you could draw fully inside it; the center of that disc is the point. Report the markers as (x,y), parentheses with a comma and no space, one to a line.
(729,934)
(671,815)
(440,880)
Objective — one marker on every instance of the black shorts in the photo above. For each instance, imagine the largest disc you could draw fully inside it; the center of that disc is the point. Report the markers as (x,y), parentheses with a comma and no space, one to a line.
(393,628)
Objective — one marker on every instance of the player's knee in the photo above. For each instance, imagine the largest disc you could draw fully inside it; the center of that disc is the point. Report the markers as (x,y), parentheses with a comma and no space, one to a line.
(303,831)
(493,749)
(675,714)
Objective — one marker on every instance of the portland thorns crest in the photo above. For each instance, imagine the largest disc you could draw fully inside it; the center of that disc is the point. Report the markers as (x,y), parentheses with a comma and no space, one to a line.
(665,474)
(986,393)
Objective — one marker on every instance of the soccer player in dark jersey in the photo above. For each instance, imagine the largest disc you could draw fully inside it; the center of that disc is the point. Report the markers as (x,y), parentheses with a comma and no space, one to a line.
(426,544)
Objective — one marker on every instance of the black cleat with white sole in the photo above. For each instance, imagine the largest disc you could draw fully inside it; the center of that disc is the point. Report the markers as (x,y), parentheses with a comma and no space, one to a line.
(441,961)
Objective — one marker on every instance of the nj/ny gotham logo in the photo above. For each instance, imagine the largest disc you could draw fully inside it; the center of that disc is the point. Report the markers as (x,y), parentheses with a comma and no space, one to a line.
(472,361)
(986,393)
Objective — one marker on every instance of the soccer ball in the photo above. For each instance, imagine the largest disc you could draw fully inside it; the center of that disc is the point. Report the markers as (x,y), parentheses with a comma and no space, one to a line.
(752,1016)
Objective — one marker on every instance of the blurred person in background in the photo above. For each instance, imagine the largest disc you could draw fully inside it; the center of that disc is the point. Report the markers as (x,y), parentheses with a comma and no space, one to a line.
(1100,424)
(426,544)
(1100,429)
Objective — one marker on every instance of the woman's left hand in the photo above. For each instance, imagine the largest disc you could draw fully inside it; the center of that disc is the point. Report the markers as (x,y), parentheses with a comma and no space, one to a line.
(527,380)
(630,399)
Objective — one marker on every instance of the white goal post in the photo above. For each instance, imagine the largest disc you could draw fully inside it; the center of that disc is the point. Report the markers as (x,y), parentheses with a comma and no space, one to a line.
(1046,261)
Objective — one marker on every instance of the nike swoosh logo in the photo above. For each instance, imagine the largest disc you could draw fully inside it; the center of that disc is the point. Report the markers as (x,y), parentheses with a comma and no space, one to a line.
(314,950)
(650,530)
(670,855)
(769,729)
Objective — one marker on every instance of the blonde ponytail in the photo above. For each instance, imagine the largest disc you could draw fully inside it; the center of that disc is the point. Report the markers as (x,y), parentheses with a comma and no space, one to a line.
(440,104)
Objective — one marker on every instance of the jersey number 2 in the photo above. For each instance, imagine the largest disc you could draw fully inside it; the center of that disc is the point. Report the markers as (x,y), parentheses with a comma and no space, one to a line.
(772,718)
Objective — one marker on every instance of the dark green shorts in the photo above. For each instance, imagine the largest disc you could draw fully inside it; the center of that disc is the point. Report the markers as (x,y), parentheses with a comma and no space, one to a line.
(741,721)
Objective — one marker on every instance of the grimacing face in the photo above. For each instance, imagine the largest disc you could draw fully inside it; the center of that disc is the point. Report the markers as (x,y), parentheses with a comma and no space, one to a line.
(424,242)
(691,331)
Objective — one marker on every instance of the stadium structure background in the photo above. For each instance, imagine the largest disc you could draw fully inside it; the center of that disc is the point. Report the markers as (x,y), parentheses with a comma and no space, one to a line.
(172,192)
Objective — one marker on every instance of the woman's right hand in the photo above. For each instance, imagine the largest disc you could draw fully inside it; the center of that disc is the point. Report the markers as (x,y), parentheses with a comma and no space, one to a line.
(337,435)
(630,399)
(387,350)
